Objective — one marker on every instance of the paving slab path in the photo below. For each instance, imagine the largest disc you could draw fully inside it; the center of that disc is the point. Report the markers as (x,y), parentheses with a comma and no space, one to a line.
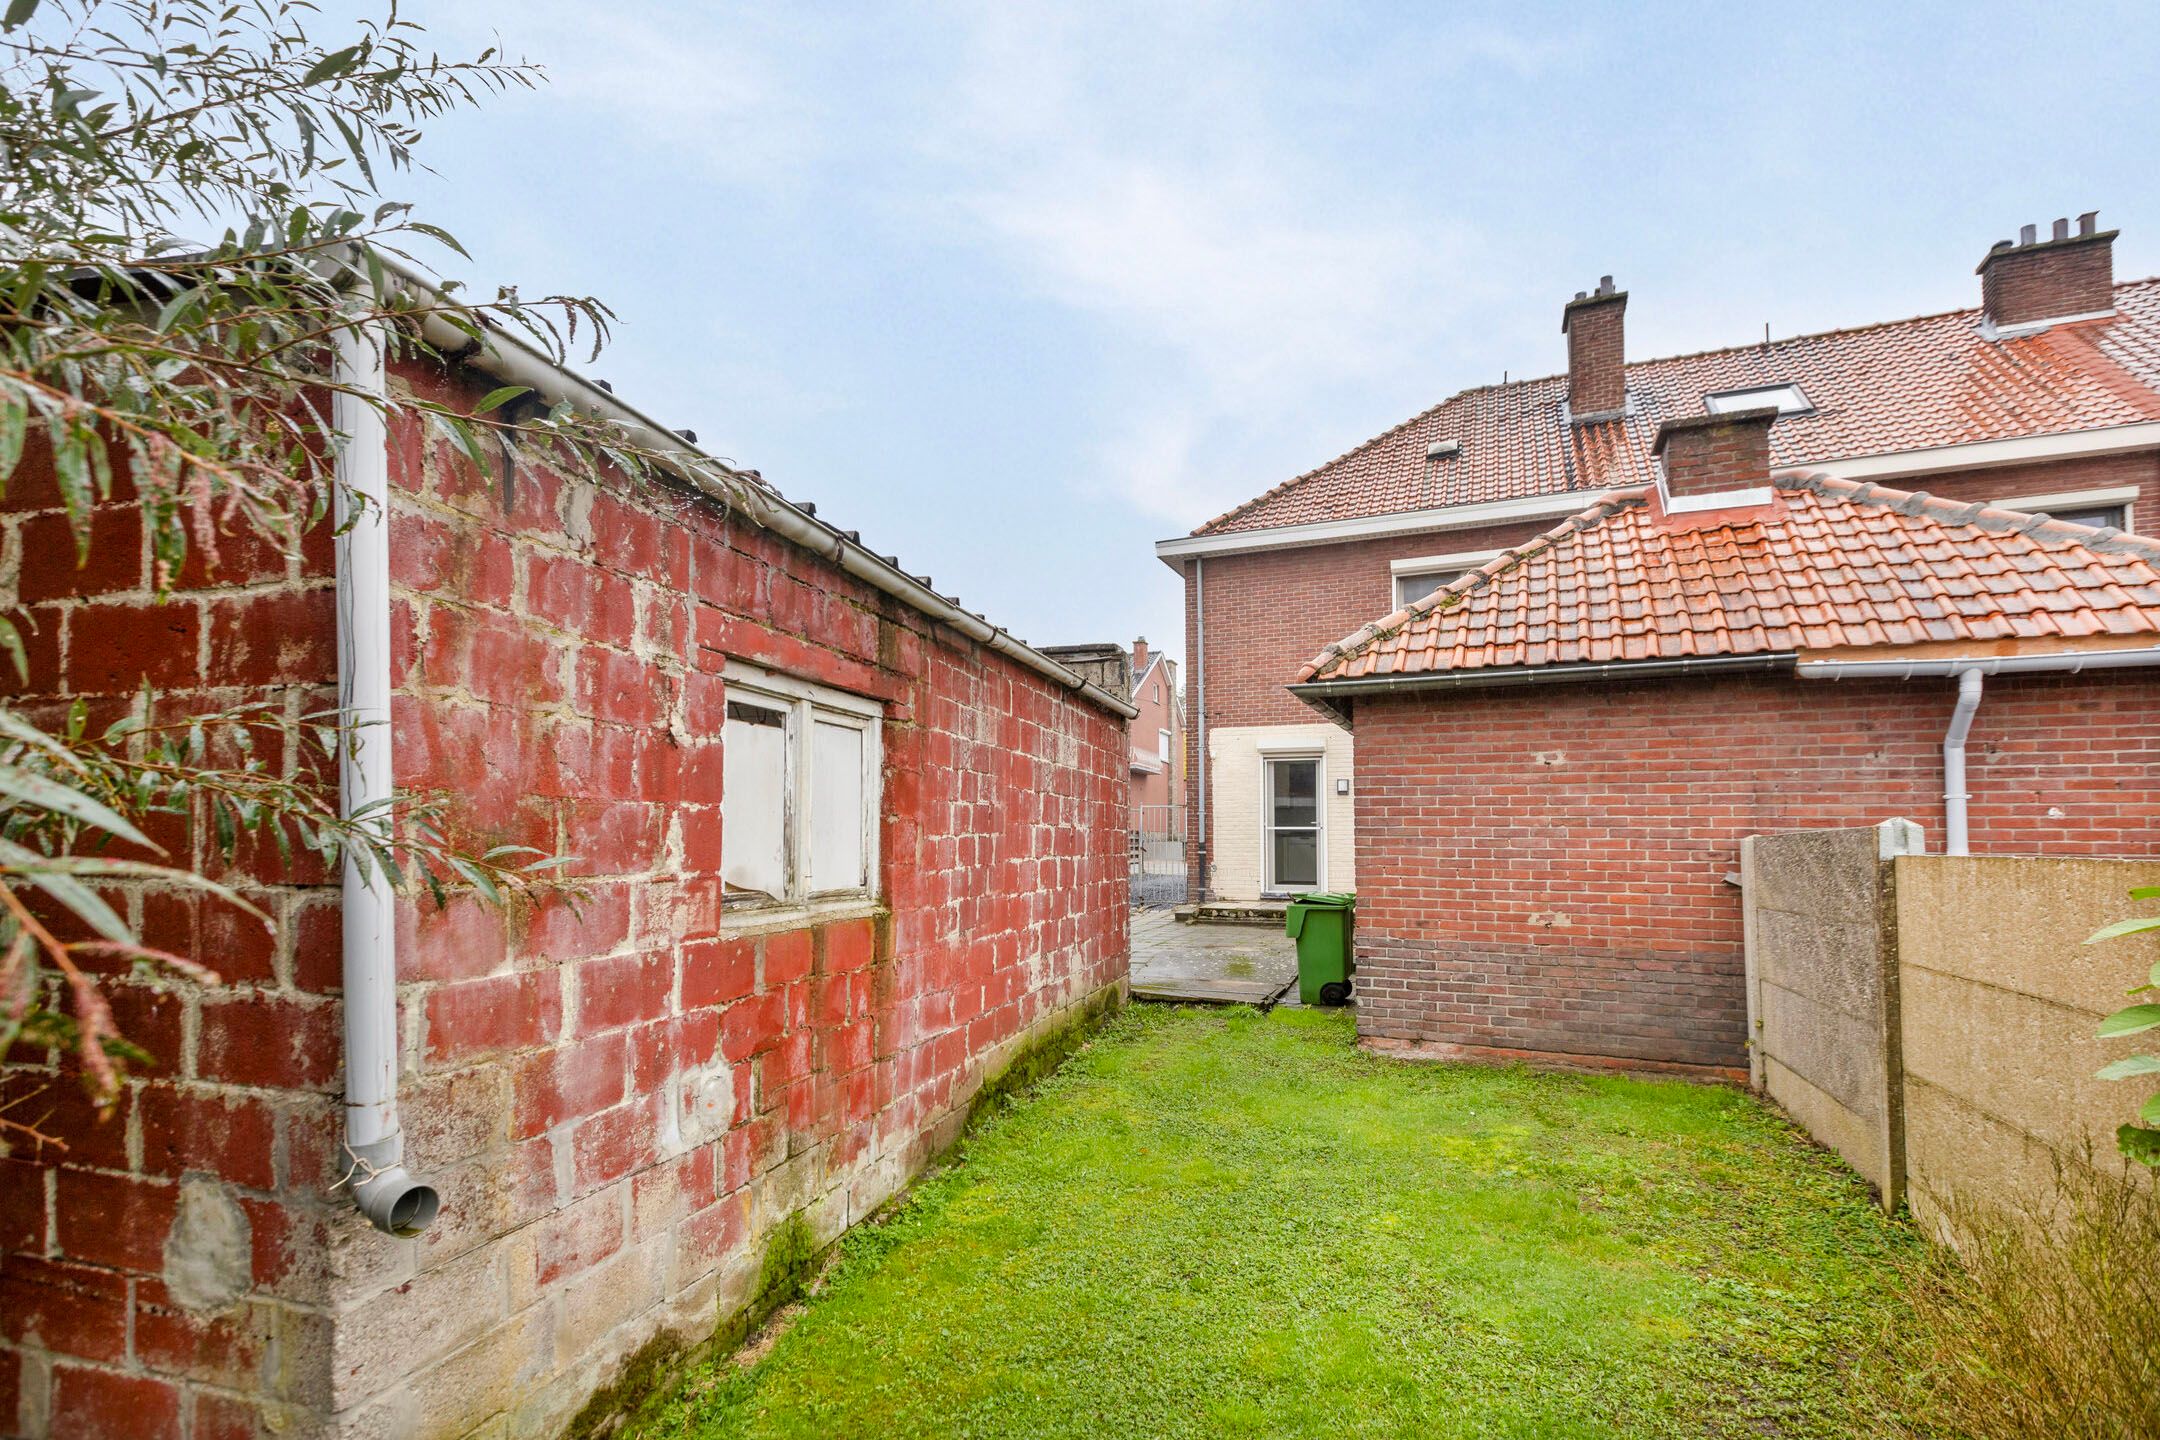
(1210,964)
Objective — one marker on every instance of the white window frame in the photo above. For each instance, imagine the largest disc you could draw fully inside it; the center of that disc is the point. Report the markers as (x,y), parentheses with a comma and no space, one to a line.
(2123,496)
(1424,567)
(1269,756)
(805,703)
(1756,397)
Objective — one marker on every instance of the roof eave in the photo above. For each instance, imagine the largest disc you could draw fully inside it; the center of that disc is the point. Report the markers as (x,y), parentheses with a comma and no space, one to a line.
(1322,694)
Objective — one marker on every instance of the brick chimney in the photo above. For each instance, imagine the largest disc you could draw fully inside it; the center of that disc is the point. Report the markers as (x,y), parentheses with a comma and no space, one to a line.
(2065,274)
(1715,454)
(1139,657)
(1594,323)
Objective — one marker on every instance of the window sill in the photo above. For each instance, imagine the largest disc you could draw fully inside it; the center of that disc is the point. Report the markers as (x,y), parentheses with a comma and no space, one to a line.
(770,919)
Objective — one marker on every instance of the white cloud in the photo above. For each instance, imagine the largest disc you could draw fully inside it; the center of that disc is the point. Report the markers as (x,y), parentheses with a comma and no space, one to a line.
(1189,179)
(1145,171)
(684,77)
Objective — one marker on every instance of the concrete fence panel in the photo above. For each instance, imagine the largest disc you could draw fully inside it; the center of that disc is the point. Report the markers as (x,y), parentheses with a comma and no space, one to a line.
(1931,1017)
(1822,990)
(2000,999)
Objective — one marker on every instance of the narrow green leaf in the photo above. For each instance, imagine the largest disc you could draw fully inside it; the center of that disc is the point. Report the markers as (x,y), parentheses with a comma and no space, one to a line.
(17,14)
(15,727)
(2120,928)
(476,877)
(436,232)
(55,879)
(2145,892)
(14,426)
(336,63)
(503,396)
(30,788)
(2149,1112)
(2131,1020)
(178,306)
(11,641)
(2129,1066)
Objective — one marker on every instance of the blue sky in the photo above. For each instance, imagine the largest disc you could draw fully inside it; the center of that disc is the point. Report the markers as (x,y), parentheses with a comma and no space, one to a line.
(1018,290)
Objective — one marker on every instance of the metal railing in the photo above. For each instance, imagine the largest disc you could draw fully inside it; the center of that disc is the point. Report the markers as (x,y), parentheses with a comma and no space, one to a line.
(1158,855)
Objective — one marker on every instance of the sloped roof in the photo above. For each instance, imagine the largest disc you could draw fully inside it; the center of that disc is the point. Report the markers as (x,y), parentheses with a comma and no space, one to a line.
(1880,389)
(1832,564)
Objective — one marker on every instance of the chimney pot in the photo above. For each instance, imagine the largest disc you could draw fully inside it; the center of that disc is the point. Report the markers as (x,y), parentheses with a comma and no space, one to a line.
(2068,274)
(1604,285)
(2027,234)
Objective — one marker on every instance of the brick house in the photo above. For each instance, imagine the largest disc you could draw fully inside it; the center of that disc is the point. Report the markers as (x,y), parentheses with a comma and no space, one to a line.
(2045,397)
(1560,753)
(1158,731)
(847,848)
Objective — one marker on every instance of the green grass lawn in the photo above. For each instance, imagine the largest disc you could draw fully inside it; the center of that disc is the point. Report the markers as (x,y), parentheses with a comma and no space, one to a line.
(1216,1223)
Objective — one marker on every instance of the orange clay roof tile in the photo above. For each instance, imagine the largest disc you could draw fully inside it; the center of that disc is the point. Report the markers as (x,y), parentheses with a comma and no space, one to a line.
(1880,389)
(1834,563)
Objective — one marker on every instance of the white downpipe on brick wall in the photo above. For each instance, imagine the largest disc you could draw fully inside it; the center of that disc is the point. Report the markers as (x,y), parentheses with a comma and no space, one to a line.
(1956,795)
(1203,852)
(392,1200)
(1957,839)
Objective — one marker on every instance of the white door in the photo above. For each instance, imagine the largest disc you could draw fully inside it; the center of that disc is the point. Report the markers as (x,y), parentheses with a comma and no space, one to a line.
(1290,813)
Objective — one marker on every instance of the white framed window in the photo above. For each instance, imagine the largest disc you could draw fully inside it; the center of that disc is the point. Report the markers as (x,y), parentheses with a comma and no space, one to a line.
(1789,400)
(1292,823)
(2109,506)
(801,771)
(2096,516)
(1162,745)
(1417,578)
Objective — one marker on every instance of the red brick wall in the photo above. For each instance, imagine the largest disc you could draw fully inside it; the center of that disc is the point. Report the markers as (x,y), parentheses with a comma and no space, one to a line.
(558,670)
(1164,786)
(1597,354)
(2010,482)
(1543,869)
(2049,279)
(1714,454)
(1269,612)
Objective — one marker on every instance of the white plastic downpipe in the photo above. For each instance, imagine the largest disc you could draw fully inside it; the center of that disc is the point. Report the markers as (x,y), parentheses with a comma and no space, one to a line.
(1956,835)
(392,1200)
(1969,673)
(1199,659)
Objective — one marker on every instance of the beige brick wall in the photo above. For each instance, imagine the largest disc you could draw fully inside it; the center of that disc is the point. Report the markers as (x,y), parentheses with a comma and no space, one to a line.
(1235,757)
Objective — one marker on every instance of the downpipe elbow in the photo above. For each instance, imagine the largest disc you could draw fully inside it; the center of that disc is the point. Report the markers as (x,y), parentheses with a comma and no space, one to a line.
(394,1200)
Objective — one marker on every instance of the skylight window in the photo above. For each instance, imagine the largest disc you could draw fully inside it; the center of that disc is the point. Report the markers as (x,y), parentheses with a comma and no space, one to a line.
(1787,399)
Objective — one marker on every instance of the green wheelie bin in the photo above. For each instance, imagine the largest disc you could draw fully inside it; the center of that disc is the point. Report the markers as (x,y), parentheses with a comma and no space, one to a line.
(1320,923)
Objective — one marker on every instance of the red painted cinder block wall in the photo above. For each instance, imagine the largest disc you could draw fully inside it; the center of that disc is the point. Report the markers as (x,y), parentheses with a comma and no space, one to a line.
(1543,869)
(619,1099)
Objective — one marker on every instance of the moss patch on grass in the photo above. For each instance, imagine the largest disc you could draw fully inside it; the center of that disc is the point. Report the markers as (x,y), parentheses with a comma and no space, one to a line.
(1222,1223)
